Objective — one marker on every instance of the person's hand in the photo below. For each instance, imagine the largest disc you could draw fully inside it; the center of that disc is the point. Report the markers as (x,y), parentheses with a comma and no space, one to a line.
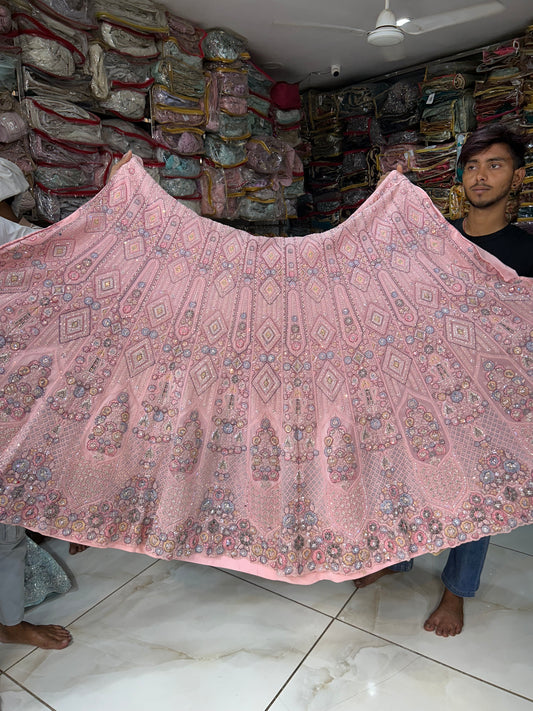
(399,168)
(125,158)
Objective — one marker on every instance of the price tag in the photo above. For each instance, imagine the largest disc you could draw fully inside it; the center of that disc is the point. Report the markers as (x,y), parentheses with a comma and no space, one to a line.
(430,98)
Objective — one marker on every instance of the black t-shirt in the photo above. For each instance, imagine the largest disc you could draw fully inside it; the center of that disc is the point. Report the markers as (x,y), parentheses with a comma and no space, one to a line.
(511,245)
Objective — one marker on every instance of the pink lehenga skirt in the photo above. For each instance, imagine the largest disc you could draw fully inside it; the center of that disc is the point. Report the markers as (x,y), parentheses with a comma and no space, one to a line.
(297,408)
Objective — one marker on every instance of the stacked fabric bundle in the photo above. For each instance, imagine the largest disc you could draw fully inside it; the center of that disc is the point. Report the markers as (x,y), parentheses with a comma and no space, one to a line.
(228,123)
(178,110)
(323,129)
(86,69)
(398,115)
(499,96)
(361,138)
(525,208)
(447,115)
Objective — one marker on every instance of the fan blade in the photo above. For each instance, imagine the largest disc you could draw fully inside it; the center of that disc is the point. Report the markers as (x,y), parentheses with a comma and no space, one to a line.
(449,19)
(394,52)
(318,26)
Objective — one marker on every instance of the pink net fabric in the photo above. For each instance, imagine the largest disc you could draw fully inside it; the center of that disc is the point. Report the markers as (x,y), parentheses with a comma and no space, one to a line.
(299,408)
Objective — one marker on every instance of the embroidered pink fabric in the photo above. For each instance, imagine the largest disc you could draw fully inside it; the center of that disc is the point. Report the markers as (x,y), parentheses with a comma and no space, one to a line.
(300,408)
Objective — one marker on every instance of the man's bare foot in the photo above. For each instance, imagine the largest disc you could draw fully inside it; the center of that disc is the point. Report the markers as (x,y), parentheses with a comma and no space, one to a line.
(447,620)
(74,548)
(43,636)
(372,577)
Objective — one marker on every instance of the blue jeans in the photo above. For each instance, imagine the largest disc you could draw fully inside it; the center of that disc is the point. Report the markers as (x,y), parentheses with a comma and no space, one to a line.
(462,572)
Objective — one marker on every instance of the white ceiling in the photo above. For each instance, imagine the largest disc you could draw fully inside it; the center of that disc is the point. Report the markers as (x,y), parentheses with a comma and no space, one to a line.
(306,54)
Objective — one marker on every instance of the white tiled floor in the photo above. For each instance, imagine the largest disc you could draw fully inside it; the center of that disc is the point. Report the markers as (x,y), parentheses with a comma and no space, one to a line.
(158,636)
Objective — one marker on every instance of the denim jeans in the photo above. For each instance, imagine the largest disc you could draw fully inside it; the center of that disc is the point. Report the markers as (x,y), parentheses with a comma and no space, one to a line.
(462,572)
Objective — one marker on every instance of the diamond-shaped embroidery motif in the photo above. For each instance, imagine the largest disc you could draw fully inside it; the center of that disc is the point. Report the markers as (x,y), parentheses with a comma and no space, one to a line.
(270,290)
(271,255)
(266,382)
(134,248)
(462,273)
(360,279)
(215,327)
(323,332)
(316,289)
(400,261)
(415,216)
(74,325)
(224,283)
(396,364)
(377,318)
(139,357)
(310,253)
(152,217)
(178,270)
(203,375)
(348,248)
(15,280)
(160,311)
(118,194)
(460,332)
(232,248)
(330,381)
(427,296)
(60,250)
(108,284)
(95,222)
(268,334)
(435,244)
(382,232)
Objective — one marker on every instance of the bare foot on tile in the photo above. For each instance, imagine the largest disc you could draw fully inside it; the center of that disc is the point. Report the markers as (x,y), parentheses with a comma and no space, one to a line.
(447,620)
(367,580)
(42,636)
(74,548)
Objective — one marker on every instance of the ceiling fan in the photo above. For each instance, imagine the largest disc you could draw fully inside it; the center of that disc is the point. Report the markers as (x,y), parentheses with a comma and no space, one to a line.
(388,32)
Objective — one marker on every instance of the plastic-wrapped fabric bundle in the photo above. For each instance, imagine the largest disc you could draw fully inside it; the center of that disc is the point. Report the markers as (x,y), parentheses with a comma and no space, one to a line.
(12,127)
(75,89)
(54,205)
(179,187)
(441,121)
(81,177)
(176,166)
(48,54)
(400,108)
(223,46)
(124,72)
(31,21)
(139,15)
(355,100)
(126,103)
(259,105)
(170,47)
(46,150)
(259,82)
(18,152)
(178,116)
(8,71)
(79,14)
(254,209)
(63,120)
(186,141)
(260,125)
(223,152)
(188,37)
(179,77)
(123,136)
(134,44)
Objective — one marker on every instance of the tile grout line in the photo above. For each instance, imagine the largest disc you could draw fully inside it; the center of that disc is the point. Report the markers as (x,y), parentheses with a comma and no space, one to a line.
(332,620)
(89,609)
(21,686)
(437,661)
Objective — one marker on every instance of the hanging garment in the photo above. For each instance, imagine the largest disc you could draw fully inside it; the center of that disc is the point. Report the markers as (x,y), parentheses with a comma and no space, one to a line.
(296,408)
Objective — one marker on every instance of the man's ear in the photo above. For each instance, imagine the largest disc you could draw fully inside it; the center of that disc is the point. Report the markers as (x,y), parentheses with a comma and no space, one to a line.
(518,177)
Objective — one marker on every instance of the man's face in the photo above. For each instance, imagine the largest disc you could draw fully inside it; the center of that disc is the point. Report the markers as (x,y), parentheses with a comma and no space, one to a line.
(489,176)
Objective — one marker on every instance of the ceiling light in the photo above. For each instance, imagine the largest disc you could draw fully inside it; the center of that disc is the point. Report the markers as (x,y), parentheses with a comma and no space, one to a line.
(402,21)
(385,36)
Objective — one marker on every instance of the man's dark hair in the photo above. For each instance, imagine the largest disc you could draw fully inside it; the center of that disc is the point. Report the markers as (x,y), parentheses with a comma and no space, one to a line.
(485,137)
